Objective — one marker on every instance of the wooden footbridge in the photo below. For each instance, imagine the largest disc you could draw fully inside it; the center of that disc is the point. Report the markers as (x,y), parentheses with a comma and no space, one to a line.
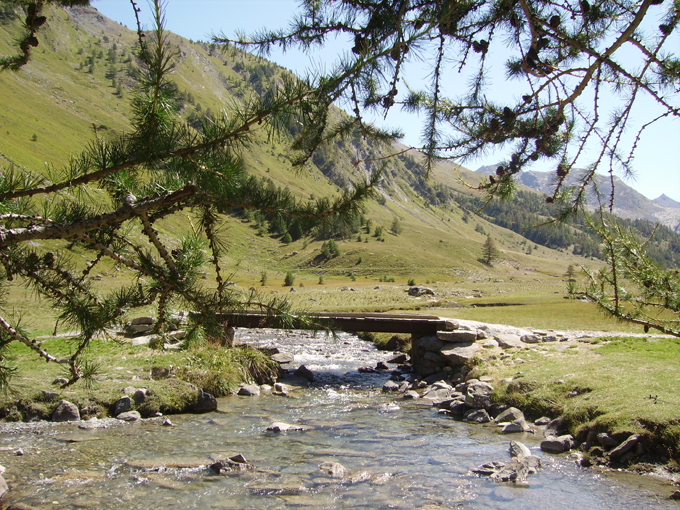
(344,321)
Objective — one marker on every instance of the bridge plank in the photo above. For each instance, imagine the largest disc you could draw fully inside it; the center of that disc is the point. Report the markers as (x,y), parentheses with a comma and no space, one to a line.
(349,322)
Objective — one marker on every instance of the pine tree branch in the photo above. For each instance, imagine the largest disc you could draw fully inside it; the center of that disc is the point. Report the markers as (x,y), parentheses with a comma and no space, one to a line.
(10,237)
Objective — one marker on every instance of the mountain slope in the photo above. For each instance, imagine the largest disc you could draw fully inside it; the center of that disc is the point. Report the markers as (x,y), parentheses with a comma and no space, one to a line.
(79,84)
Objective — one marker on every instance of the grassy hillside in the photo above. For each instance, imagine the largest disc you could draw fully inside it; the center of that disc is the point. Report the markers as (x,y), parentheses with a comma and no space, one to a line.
(79,84)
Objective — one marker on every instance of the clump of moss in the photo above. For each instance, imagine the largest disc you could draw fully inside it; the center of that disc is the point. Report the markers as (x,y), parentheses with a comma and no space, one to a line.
(387,341)
(169,396)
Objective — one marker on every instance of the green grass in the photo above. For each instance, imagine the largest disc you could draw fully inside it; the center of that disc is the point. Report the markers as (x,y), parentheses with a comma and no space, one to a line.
(621,386)
(215,370)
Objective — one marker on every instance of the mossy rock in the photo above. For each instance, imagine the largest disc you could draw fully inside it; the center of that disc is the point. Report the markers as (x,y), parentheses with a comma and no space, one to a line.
(172,396)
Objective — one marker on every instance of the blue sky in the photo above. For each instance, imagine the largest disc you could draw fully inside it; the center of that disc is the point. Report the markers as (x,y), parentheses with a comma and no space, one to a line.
(657,163)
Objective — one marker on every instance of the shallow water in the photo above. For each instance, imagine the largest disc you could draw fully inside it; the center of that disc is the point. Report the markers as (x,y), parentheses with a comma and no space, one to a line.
(401,455)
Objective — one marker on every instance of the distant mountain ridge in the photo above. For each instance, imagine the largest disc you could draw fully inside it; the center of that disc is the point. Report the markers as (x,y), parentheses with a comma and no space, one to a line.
(665,201)
(628,203)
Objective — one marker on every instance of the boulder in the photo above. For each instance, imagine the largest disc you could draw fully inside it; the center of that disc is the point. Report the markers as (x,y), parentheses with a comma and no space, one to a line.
(143,340)
(531,339)
(420,291)
(129,416)
(399,359)
(457,408)
(435,358)
(122,405)
(510,414)
(497,409)
(556,427)
(283,357)
(304,373)
(430,343)
(411,395)
(440,385)
(280,426)
(281,387)
(624,447)
(478,395)
(206,403)
(249,390)
(236,463)
(66,411)
(334,469)
(459,354)
(138,328)
(390,386)
(516,426)
(437,396)
(458,336)
(606,440)
(518,449)
(543,420)
(558,444)
(140,395)
(509,341)
(489,468)
(3,487)
(517,470)
(477,416)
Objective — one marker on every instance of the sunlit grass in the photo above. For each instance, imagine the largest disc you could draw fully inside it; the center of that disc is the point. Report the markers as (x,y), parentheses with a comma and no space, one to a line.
(621,385)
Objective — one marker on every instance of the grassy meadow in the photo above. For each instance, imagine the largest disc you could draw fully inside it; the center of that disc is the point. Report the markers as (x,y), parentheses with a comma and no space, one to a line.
(618,385)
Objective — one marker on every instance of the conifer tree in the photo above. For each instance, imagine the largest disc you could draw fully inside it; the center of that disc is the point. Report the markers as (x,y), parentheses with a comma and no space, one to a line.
(489,251)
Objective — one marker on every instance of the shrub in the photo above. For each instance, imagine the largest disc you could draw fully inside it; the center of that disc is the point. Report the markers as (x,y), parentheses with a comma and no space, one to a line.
(330,249)
(396,227)
(289,280)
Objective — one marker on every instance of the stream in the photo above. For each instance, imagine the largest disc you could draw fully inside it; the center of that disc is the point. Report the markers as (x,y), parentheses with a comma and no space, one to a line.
(401,454)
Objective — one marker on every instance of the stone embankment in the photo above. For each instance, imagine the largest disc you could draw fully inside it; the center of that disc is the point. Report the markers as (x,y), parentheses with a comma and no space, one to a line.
(450,350)
(471,400)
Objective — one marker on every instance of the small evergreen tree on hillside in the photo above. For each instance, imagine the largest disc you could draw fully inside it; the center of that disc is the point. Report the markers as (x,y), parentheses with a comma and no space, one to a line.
(289,280)
(489,251)
(396,228)
(330,249)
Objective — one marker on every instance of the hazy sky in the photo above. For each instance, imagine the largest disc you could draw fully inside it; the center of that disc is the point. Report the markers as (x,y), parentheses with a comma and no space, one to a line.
(657,162)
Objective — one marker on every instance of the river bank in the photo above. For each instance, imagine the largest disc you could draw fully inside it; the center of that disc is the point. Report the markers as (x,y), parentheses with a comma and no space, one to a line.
(618,386)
